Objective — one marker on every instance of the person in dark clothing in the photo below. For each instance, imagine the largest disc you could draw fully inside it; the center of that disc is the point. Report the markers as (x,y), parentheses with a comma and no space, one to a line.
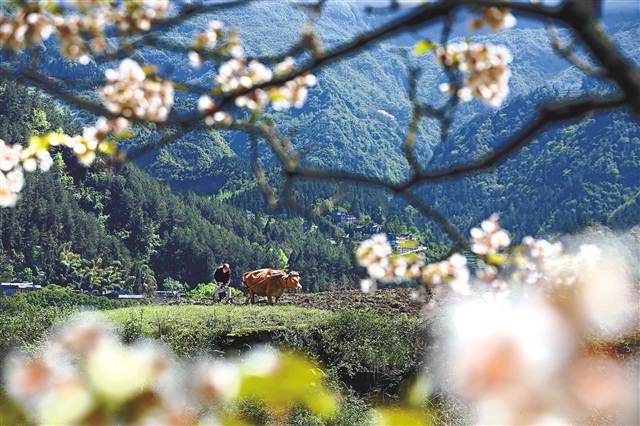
(222,276)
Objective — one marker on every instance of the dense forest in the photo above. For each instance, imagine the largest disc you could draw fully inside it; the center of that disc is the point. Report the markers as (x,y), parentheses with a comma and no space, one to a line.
(110,229)
(572,176)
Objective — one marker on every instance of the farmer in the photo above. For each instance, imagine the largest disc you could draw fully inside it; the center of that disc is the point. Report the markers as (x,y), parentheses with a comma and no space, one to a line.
(222,276)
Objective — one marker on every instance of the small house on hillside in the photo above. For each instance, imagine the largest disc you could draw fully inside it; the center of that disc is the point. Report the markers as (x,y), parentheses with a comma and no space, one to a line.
(340,218)
(161,296)
(402,244)
(122,296)
(11,289)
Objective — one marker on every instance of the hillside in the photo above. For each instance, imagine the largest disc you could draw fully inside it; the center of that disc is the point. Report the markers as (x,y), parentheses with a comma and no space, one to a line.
(110,229)
(123,225)
(598,156)
(567,178)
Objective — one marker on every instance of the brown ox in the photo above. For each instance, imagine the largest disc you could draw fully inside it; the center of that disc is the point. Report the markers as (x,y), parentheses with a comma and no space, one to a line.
(269,282)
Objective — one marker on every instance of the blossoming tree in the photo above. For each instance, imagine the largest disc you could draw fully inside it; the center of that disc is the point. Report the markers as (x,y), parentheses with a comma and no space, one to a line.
(507,376)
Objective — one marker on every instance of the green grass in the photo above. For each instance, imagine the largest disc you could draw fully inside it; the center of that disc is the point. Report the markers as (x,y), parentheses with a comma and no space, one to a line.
(236,319)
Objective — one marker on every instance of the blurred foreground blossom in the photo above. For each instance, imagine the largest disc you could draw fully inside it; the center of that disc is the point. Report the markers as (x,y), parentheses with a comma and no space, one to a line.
(14,161)
(496,18)
(373,255)
(531,336)
(85,375)
(486,70)
(25,28)
(80,25)
(489,238)
(595,281)
(530,362)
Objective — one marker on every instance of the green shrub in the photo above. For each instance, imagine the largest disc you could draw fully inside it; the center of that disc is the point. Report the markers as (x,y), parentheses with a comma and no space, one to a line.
(203,291)
(132,327)
(253,412)
(365,339)
(208,290)
(64,297)
(169,284)
(302,417)
(24,325)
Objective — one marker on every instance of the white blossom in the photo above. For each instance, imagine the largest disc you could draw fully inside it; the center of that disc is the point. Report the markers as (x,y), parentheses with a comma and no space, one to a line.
(9,156)
(24,29)
(368,286)
(489,238)
(486,69)
(496,18)
(452,271)
(132,94)
(372,254)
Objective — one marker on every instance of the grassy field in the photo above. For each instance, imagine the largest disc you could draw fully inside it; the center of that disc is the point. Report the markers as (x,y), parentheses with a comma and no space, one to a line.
(234,319)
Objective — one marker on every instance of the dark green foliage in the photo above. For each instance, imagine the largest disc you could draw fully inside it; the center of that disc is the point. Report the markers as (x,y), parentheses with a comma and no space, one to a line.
(26,317)
(567,178)
(106,229)
(66,299)
(23,324)
(370,351)
(627,214)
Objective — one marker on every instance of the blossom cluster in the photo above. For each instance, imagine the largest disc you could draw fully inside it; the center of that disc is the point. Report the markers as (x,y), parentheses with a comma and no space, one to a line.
(452,271)
(489,238)
(500,267)
(139,15)
(129,93)
(548,356)
(215,38)
(530,337)
(81,29)
(132,94)
(14,159)
(85,375)
(373,254)
(26,27)
(496,18)
(486,70)
(236,75)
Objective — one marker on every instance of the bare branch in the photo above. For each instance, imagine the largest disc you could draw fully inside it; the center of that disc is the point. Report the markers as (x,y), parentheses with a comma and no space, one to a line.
(548,114)
(591,30)
(568,53)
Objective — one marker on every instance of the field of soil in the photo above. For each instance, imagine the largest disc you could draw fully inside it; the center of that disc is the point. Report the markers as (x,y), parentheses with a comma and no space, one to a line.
(391,301)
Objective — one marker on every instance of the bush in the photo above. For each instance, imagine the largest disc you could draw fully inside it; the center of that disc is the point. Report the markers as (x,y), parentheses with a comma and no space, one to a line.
(203,291)
(64,297)
(372,351)
(169,284)
(26,318)
(208,290)
(24,325)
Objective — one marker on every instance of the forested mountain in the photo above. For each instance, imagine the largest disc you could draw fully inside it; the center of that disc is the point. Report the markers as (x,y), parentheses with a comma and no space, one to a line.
(111,229)
(357,115)
(123,228)
(565,179)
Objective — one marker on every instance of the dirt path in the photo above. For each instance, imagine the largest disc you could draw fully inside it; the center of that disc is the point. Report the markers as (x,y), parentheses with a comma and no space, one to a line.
(391,301)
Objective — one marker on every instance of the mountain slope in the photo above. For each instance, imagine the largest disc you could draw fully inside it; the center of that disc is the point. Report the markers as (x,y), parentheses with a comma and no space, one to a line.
(111,229)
